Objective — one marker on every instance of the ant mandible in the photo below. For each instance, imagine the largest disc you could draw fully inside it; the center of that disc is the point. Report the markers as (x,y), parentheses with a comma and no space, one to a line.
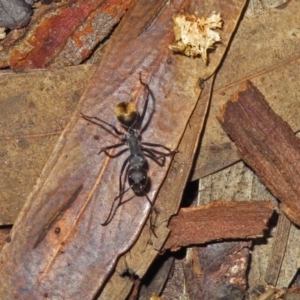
(135,164)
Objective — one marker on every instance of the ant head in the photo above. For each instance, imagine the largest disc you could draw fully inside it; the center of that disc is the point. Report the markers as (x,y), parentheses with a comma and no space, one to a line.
(138,180)
(126,113)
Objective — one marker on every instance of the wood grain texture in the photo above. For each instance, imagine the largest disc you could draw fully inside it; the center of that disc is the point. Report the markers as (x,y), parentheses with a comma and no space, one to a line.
(267,144)
(218,221)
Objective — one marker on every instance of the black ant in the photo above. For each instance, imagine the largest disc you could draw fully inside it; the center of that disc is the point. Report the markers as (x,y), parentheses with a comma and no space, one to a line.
(135,164)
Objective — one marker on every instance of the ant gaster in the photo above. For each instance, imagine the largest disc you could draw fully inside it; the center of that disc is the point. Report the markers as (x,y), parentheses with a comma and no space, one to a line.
(135,164)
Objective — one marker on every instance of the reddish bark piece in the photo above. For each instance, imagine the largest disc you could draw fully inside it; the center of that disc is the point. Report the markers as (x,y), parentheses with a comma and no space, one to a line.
(217,221)
(63,34)
(267,144)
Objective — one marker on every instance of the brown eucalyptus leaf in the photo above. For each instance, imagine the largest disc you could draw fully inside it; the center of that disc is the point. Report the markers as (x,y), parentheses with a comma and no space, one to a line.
(58,248)
(144,252)
(35,107)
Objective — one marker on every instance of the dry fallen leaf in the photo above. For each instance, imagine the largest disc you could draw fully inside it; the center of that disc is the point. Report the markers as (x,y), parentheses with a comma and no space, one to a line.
(61,219)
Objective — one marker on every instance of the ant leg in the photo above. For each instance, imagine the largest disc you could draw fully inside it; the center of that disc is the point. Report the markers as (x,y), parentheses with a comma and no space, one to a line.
(121,193)
(158,145)
(145,105)
(112,147)
(91,119)
(154,151)
(155,158)
(150,216)
(121,187)
(151,153)
(113,211)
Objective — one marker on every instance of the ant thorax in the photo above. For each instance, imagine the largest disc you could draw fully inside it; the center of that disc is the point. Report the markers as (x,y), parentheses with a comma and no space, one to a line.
(136,158)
